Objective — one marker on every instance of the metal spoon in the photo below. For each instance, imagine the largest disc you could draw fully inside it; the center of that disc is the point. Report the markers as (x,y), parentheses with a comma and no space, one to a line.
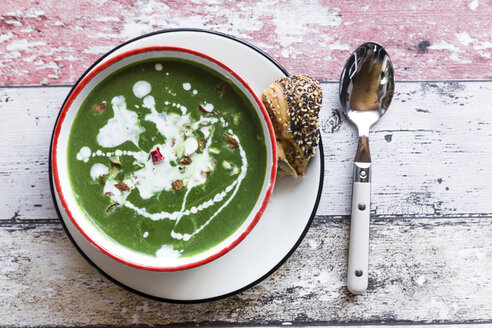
(366,90)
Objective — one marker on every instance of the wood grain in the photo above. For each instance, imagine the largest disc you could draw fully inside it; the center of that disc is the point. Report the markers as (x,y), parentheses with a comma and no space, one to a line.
(48,42)
(431,152)
(430,235)
(422,271)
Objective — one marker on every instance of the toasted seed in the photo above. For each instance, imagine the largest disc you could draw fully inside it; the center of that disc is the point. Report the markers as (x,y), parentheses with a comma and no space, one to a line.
(113,206)
(177,185)
(115,161)
(232,142)
(185,160)
(99,108)
(202,109)
(122,186)
(201,143)
(223,88)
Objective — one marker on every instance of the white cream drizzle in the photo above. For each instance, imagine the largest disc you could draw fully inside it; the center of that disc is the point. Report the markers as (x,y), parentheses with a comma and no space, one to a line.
(141,89)
(98,170)
(149,102)
(191,145)
(122,127)
(152,178)
(206,131)
(167,252)
(224,122)
(209,107)
(111,190)
(237,184)
(219,197)
(84,154)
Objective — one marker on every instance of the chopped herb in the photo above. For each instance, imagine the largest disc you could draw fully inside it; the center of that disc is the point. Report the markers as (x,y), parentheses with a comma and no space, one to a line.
(226,165)
(235,118)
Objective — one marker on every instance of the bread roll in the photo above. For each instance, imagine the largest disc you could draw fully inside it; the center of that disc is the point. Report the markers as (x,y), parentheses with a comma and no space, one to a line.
(293,104)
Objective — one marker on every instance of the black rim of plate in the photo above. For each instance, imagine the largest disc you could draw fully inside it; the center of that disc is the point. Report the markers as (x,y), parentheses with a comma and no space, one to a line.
(107,276)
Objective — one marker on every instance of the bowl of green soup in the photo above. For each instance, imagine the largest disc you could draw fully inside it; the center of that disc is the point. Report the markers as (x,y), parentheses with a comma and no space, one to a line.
(163,158)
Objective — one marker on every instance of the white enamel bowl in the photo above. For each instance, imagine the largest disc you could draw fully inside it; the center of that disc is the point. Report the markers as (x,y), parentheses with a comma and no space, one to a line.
(71,211)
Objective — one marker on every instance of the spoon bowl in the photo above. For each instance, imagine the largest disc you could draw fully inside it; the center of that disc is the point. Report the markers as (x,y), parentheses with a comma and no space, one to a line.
(366,89)
(367,85)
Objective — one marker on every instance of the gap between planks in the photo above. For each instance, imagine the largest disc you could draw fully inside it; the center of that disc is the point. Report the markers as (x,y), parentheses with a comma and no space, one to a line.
(318,220)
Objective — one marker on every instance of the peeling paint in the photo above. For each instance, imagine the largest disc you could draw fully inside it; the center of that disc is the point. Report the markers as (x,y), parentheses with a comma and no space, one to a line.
(312,37)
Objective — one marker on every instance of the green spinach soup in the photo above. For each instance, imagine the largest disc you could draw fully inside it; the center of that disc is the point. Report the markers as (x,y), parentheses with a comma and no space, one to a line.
(167,157)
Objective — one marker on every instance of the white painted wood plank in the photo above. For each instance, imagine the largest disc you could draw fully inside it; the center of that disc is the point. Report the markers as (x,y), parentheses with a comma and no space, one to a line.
(28,116)
(431,151)
(421,270)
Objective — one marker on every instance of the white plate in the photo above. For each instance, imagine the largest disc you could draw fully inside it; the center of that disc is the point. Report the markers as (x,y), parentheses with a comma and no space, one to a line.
(280,230)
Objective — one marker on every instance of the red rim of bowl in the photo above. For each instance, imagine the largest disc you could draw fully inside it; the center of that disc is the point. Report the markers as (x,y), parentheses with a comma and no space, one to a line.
(105,65)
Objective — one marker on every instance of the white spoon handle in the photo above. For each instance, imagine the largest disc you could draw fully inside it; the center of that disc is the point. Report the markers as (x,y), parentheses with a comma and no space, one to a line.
(359,238)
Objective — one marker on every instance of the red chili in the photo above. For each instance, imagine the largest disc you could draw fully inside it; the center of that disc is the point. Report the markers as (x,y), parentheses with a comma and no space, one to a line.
(156,156)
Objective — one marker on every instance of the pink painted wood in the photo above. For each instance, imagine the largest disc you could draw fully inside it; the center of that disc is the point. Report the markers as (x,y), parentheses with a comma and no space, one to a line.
(53,42)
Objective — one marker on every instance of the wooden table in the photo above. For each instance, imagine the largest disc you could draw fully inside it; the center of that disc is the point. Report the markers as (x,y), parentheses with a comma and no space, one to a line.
(431,232)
